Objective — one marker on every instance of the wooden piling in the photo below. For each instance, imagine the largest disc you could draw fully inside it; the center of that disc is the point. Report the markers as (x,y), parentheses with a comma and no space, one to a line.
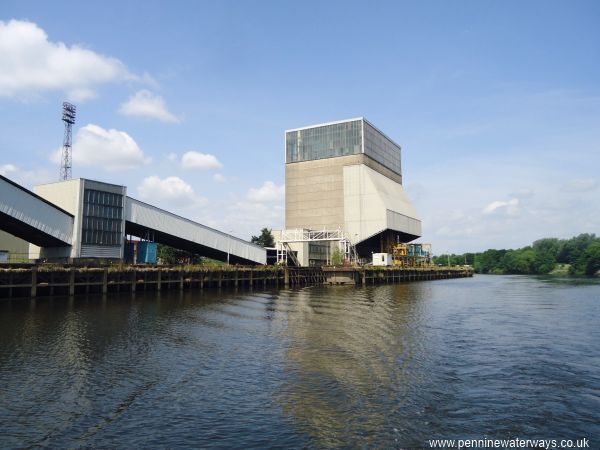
(72,282)
(33,282)
(105,282)
(16,282)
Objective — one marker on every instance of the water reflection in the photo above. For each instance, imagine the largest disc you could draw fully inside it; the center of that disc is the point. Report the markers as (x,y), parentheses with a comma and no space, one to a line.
(385,366)
(353,361)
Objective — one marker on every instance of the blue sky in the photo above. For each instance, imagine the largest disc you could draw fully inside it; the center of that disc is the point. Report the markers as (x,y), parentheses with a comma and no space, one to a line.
(495,104)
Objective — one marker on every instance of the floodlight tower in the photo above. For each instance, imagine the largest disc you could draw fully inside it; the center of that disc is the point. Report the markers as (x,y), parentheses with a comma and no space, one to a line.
(68,118)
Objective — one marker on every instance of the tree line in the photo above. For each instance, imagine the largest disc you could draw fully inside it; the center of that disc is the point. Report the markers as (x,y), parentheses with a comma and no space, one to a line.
(578,256)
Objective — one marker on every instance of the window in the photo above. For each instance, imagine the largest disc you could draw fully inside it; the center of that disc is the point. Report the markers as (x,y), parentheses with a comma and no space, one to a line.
(381,149)
(327,141)
(102,218)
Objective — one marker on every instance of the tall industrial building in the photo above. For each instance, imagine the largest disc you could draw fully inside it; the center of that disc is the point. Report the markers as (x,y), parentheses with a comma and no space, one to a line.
(347,175)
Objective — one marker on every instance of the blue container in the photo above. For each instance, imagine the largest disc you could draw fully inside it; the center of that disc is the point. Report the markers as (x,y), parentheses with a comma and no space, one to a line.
(146,253)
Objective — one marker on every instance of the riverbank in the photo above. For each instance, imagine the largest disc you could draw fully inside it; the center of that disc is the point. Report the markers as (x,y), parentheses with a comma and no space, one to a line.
(38,281)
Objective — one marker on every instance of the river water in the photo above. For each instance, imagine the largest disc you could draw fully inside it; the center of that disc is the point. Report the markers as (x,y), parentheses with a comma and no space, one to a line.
(388,366)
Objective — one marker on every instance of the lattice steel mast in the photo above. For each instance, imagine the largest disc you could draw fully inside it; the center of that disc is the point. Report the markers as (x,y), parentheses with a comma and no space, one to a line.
(68,118)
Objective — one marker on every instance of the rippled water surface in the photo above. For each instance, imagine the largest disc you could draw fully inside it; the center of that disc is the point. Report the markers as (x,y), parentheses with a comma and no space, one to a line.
(376,367)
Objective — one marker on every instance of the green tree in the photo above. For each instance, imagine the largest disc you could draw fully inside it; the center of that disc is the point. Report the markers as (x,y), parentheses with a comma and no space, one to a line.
(520,261)
(337,257)
(581,253)
(489,261)
(171,255)
(546,253)
(592,256)
(265,239)
(571,249)
(454,260)
(469,259)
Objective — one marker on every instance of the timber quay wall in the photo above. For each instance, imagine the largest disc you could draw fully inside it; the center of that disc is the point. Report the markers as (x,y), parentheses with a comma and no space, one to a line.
(380,275)
(39,281)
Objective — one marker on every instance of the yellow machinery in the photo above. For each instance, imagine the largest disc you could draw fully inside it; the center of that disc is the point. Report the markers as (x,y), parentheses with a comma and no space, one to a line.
(412,255)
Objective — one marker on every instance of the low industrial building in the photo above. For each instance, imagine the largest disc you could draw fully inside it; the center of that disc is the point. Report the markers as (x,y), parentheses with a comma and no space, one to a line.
(81,219)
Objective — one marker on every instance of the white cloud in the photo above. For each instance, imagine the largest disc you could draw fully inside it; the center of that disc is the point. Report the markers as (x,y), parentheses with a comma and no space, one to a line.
(108,149)
(510,206)
(7,169)
(173,190)
(219,178)
(262,207)
(581,185)
(146,104)
(244,219)
(268,192)
(81,94)
(29,177)
(31,64)
(523,193)
(172,156)
(201,161)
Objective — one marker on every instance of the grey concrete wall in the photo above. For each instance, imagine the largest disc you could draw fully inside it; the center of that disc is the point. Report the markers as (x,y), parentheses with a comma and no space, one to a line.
(314,191)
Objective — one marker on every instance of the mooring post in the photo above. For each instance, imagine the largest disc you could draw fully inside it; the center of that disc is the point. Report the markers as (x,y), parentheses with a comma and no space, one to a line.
(133,280)
(52,282)
(181,280)
(105,281)
(158,279)
(286,277)
(72,281)
(34,281)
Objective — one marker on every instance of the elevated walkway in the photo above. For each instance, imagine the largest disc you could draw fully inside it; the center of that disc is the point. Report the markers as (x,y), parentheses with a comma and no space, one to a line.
(144,220)
(31,218)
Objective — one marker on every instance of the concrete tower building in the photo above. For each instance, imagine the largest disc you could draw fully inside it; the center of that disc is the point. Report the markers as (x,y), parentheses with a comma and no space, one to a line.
(348,175)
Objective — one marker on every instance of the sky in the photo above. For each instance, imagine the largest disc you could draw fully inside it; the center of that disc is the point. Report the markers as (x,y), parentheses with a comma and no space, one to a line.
(496,105)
